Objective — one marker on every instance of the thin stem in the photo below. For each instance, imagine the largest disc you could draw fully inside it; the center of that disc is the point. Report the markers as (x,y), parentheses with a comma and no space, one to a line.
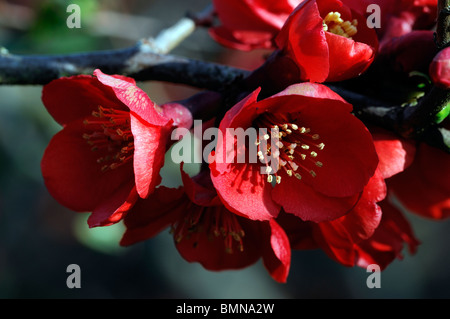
(442,34)
(139,62)
(171,37)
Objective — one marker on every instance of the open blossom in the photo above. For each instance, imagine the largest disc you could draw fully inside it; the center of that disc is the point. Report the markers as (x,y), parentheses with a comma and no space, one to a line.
(205,231)
(247,25)
(111,147)
(373,231)
(400,17)
(424,188)
(320,164)
(388,241)
(328,40)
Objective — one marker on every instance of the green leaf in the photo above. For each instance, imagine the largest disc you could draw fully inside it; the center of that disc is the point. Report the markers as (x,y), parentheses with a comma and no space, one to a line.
(442,115)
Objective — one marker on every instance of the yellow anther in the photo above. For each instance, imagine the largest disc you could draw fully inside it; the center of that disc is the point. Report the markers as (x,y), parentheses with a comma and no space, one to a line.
(294,166)
(333,17)
(335,24)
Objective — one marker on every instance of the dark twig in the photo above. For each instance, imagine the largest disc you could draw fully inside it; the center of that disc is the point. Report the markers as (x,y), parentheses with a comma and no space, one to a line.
(144,64)
(442,34)
(139,62)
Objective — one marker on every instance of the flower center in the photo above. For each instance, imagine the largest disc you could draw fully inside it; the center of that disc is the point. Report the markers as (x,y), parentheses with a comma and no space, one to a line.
(294,149)
(335,24)
(110,132)
(215,221)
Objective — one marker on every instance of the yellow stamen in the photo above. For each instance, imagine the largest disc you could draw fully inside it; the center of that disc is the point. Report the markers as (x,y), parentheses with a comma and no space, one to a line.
(335,24)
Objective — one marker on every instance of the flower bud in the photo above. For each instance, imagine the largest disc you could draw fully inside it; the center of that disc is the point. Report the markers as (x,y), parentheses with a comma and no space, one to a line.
(440,69)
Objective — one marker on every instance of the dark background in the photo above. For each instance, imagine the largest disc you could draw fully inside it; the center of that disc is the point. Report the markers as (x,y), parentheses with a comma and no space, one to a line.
(39,238)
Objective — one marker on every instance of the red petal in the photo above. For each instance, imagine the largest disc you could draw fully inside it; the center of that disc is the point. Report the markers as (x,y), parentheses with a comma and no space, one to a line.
(338,237)
(277,255)
(303,38)
(253,15)
(202,195)
(348,58)
(68,99)
(299,232)
(150,216)
(424,187)
(149,151)
(239,116)
(245,191)
(349,157)
(362,221)
(387,242)
(301,200)
(394,153)
(133,97)
(313,90)
(72,174)
(333,239)
(242,40)
(115,208)
(211,252)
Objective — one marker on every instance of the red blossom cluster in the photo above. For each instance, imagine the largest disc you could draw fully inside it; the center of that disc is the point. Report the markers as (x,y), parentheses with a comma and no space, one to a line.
(335,180)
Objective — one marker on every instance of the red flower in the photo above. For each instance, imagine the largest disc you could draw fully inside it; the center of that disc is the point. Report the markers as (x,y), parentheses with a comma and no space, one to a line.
(400,17)
(397,51)
(206,232)
(395,154)
(387,242)
(110,149)
(352,239)
(424,188)
(440,69)
(326,156)
(338,238)
(405,16)
(328,40)
(247,25)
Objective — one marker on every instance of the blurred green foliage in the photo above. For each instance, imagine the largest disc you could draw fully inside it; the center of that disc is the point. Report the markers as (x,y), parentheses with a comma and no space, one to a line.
(49,33)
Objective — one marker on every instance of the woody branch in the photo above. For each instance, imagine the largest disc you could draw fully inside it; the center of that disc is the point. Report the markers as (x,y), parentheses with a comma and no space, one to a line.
(149,60)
